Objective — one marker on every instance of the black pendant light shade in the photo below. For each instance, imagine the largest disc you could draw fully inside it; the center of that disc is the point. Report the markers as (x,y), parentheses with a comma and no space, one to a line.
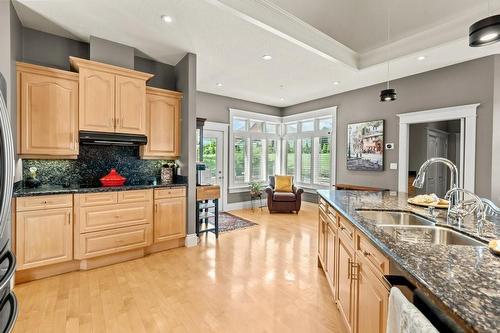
(485,31)
(388,95)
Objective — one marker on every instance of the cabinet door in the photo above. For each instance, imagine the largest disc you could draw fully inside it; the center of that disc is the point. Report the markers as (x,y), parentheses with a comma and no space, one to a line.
(372,301)
(322,240)
(48,115)
(97,101)
(162,126)
(330,255)
(346,286)
(169,219)
(130,105)
(43,237)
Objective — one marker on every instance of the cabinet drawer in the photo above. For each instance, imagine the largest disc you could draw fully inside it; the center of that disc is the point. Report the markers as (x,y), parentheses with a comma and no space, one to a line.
(332,215)
(96,218)
(95,199)
(323,205)
(373,256)
(166,193)
(111,241)
(135,196)
(346,231)
(44,202)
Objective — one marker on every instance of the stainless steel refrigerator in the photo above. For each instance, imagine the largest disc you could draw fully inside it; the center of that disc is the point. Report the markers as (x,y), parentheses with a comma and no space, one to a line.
(8,301)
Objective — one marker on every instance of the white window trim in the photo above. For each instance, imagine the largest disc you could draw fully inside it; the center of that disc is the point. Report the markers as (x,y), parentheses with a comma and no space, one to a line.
(281,145)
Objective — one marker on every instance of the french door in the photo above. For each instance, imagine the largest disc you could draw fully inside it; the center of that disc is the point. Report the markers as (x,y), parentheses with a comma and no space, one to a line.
(213,157)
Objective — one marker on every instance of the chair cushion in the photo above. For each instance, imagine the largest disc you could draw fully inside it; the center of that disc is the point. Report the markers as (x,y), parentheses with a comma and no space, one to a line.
(283,184)
(284,196)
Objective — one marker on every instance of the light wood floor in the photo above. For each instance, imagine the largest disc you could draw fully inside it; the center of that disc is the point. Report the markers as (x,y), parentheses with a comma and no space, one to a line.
(261,279)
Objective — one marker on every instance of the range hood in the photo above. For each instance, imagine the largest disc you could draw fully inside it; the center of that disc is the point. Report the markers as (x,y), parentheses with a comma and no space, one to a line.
(117,139)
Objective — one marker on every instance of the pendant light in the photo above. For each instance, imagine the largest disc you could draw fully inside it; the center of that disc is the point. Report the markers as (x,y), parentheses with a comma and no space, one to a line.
(486,31)
(388,94)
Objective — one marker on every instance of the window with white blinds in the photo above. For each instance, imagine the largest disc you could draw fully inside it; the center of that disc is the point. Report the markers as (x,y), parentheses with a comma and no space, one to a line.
(301,145)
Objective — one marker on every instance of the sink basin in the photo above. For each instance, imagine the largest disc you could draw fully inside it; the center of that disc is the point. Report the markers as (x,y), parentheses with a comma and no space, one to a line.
(430,235)
(388,217)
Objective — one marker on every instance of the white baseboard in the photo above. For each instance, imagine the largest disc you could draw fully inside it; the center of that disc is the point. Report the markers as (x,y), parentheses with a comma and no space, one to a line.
(191,240)
(245,204)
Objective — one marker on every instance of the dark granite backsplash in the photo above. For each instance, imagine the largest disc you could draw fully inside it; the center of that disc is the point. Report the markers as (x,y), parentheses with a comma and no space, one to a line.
(94,162)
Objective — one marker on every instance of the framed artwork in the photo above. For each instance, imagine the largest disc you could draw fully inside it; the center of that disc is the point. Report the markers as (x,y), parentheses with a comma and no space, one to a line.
(365,146)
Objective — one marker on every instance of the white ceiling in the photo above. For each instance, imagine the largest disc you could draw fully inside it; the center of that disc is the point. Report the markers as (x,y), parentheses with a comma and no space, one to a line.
(313,43)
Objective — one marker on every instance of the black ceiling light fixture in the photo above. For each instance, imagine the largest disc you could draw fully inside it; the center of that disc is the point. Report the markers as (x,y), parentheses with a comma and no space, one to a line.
(388,94)
(486,31)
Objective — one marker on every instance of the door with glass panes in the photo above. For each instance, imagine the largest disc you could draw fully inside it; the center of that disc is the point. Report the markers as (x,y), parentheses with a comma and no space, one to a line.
(213,158)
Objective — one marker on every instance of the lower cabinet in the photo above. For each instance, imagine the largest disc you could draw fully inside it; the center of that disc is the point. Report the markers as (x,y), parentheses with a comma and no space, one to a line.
(111,222)
(354,269)
(43,237)
(170,218)
(372,300)
(346,283)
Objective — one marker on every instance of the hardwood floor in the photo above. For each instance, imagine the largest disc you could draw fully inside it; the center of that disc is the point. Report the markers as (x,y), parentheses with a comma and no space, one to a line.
(260,279)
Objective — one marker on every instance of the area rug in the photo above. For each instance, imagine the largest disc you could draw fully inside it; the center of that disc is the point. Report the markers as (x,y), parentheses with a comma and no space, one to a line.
(229,222)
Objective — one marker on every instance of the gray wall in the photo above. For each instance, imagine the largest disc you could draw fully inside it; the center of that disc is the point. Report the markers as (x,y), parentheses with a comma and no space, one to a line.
(185,72)
(465,83)
(50,50)
(216,108)
(112,53)
(164,74)
(495,158)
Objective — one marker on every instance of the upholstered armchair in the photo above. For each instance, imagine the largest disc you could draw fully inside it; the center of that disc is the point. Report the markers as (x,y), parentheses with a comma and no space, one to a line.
(283,201)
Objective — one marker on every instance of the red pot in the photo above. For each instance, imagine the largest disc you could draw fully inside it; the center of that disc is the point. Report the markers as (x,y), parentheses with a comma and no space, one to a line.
(113,178)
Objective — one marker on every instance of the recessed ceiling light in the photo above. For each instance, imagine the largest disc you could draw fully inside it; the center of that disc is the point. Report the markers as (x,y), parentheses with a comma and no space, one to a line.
(421,58)
(282,99)
(167,19)
(336,83)
(219,84)
(267,57)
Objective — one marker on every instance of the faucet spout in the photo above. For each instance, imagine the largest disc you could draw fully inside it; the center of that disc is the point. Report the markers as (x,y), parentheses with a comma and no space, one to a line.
(420,178)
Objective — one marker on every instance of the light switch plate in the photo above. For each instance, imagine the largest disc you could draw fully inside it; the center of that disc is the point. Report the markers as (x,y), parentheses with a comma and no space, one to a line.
(393,166)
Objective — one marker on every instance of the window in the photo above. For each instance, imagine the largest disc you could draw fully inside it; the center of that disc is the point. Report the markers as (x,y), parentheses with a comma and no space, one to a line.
(300,145)
(290,157)
(305,160)
(239,160)
(255,148)
(272,151)
(307,126)
(291,128)
(257,161)
(322,171)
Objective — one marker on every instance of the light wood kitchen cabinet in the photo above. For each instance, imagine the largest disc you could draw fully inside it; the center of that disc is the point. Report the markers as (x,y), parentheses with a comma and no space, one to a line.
(169,219)
(331,250)
(112,222)
(130,104)
(372,300)
(354,269)
(346,284)
(163,123)
(112,99)
(322,244)
(47,112)
(97,104)
(43,237)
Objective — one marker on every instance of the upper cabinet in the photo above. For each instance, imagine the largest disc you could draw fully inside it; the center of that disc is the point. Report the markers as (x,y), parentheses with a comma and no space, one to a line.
(112,99)
(163,109)
(97,103)
(47,114)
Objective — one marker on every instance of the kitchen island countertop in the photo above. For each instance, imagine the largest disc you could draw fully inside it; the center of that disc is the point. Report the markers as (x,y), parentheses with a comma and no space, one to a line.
(464,278)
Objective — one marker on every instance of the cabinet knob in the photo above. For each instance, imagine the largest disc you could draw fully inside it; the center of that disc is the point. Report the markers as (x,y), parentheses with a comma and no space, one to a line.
(366,253)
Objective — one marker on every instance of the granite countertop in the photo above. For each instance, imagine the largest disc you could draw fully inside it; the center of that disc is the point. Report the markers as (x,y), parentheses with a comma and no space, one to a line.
(465,278)
(46,189)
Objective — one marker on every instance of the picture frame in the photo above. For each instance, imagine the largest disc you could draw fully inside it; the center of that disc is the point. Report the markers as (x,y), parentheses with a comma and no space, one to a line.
(365,146)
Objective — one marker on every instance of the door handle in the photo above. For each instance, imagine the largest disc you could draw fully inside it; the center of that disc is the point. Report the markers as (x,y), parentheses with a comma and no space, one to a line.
(349,263)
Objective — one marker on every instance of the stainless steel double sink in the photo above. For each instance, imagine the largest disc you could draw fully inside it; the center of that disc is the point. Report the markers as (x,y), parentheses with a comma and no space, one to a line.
(411,227)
